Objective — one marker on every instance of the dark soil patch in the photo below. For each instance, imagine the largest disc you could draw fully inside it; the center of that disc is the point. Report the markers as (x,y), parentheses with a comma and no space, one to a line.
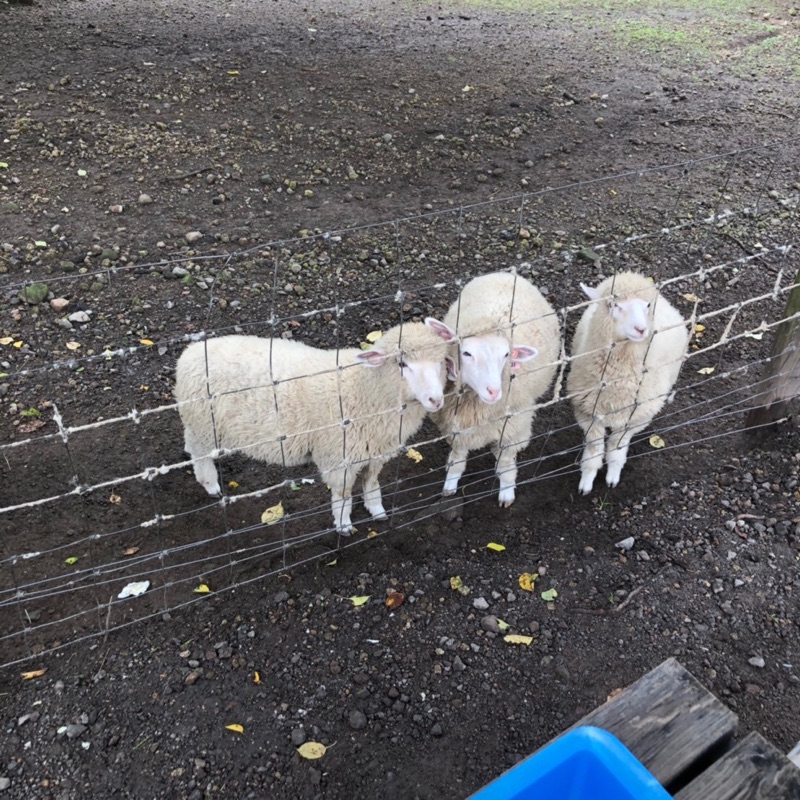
(345,168)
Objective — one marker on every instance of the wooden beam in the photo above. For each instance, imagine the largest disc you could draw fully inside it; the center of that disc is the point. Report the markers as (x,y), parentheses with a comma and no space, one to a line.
(753,770)
(669,721)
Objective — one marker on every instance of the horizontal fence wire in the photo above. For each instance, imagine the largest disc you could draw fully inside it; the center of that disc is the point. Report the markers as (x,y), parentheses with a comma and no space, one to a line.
(92,455)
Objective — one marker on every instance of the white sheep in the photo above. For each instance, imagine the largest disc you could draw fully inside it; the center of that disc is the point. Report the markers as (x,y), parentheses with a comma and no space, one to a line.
(284,402)
(626,355)
(503,322)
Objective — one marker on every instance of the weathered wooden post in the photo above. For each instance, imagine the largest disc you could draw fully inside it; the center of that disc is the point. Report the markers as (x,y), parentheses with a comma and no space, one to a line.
(781,380)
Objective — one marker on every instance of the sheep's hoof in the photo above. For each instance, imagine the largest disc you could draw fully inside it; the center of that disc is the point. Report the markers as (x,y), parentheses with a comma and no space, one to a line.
(506,498)
(448,492)
(378,512)
(585,486)
(213,489)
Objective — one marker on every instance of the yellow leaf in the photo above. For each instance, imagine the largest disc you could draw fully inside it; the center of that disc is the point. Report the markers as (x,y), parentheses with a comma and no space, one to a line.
(256,678)
(656,441)
(272,514)
(146,342)
(73,346)
(365,345)
(233,485)
(202,589)
(71,560)
(332,563)
(7,340)
(690,298)
(235,728)
(526,581)
(3,165)
(705,371)
(498,548)
(549,595)
(504,626)
(456,583)
(115,499)
(517,638)
(233,72)
(18,344)
(130,551)
(144,388)
(312,750)
(359,600)
(373,336)
(37,673)
(414,455)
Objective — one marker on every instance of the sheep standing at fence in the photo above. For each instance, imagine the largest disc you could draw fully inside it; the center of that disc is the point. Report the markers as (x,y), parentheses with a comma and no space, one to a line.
(509,346)
(286,403)
(626,355)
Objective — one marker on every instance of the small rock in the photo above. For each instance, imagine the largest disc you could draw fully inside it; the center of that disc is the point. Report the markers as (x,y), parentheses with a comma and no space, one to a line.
(79,316)
(757,661)
(4,784)
(489,623)
(116,209)
(192,678)
(193,236)
(144,199)
(599,122)
(298,736)
(357,720)
(625,544)
(34,293)
(58,304)
(75,730)
(436,730)
(180,272)
(458,664)
(480,603)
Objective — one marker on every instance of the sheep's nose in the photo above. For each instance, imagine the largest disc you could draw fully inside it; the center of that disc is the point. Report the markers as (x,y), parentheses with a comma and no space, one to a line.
(492,393)
(435,403)
(640,331)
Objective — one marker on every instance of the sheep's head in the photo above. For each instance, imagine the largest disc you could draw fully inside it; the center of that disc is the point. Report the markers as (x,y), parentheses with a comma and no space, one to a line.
(482,360)
(420,351)
(631,314)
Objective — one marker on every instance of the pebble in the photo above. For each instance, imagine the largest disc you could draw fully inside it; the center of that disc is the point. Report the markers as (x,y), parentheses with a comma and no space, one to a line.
(298,736)
(79,316)
(436,730)
(458,664)
(59,304)
(625,544)
(193,236)
(357,720)
(180,272)
(75,730)
(4,784)
(480,603)
(489,623)
(144,199)
(757,661)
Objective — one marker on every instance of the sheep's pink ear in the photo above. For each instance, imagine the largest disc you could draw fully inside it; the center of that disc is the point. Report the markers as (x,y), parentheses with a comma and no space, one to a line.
(371,358)
(444,331)
(590,292)
(452,369)
(522,353)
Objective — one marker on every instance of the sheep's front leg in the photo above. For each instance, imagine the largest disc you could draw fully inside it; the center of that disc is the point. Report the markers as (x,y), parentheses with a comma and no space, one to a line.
(506,471)
(456,464)
(204,469)
(592,458)
(372,489)
(617,452)
(341,483)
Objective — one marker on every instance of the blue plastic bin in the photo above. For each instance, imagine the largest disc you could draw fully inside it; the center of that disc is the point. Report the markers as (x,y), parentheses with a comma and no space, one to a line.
(584,764)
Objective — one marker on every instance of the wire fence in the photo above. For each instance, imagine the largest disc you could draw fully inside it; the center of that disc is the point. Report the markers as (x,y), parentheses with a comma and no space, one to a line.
(97,493)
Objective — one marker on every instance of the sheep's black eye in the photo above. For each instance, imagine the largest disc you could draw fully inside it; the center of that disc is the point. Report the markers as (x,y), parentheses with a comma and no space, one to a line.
(466,353)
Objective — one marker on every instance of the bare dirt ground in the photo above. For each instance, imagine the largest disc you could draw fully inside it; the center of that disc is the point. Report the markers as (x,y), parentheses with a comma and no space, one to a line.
(123,128)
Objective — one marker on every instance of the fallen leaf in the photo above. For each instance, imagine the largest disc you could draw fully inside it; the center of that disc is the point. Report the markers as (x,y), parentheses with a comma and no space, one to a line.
(656,441)
(134,589)
(757,336)
(372,534)
(395,600)
(698,328)
(41,244)
(332,563)
(130,551)
(502,624)
(526,581)
(517,638)
(233,485)
(235,728)
(115,499)
(272,514)
(498,548)
(690,298)
(3,165)
(233,72)
(30,427)
(144,388)
(82,173)
(73,346)
(202,589)
(312,750)
(7,340)
(18,344)
(706,370)
(256,678)
(549,595)
(146,342)
(71,560)
(359,600)
(373,336)
(414,455)
(37,673)
(457,584)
